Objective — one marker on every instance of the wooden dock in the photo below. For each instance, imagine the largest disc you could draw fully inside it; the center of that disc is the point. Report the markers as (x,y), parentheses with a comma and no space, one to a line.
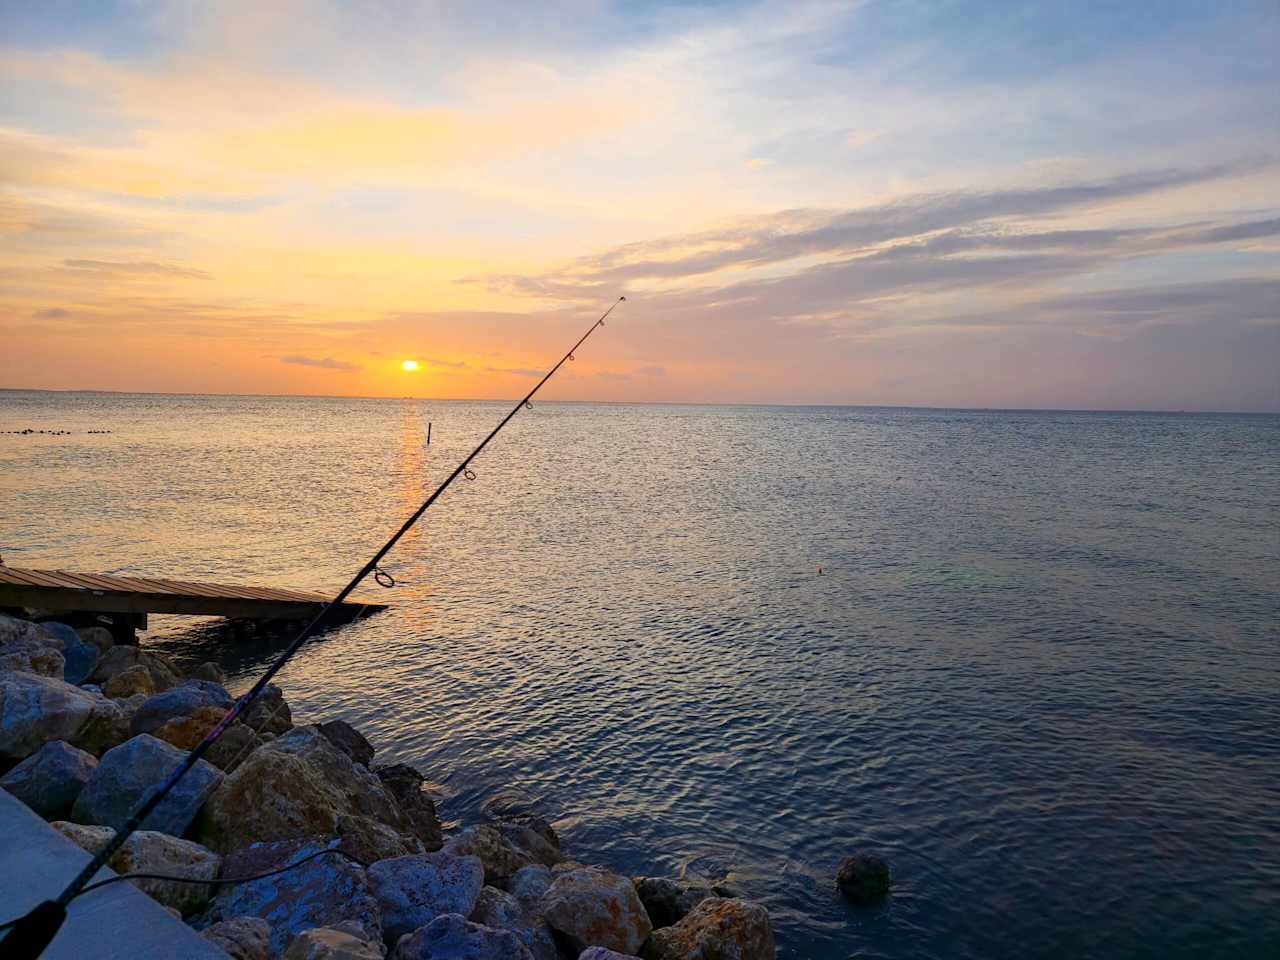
(58,591)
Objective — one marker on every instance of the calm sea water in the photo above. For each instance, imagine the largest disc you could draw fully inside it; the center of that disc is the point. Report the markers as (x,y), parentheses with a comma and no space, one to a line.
(1039,673)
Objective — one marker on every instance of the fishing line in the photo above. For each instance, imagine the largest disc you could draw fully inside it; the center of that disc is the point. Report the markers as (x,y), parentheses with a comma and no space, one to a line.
(32,933)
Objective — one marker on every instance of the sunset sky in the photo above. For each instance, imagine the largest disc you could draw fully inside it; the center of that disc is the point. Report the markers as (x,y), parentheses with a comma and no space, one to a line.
(952,204)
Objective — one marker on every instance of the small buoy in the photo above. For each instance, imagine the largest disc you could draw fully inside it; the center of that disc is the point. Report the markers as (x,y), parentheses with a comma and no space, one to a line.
(819,571)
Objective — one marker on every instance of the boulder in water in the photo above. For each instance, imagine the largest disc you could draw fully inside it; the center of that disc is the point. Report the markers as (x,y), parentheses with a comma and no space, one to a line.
(129,772)
(592,907)
(269,713)
(50,779)
(717,927)
(863,878)
(348,739)
(667,901)
(408,787)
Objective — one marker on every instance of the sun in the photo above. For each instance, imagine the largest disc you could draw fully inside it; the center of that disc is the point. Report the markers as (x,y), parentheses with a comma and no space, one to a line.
(409,366)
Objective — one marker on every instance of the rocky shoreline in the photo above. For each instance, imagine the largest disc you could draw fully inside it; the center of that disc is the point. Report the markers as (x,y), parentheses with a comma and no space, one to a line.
(88,727)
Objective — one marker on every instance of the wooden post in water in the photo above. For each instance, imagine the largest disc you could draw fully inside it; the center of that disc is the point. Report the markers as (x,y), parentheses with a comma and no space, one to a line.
(428,433)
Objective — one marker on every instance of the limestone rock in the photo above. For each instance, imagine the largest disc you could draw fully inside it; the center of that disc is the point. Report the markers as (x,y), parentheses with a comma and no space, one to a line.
(79,659)
(296,786)
(50,779)
(348,739)
(209,671)
(412,891)
(30,651)
(164,672)
(230,749)
(243,938)
(325,943)
(269,713)
(501,858)
(186,731)
(35,710)
(128,682)
(535,836)
(600,953)
(863,878)
(408,787)
(108,726)
(151,852)
(720,928)
(500,910)
(100,637)
(595,908)
(14,630)
(453,937)
(64,635)
(127,773)
(369,841)
(85,836)
(667,901)
(528,884)
(325,892)
(180,701)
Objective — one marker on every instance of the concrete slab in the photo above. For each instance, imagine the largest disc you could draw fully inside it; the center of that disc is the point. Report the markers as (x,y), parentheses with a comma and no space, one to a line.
(118,922)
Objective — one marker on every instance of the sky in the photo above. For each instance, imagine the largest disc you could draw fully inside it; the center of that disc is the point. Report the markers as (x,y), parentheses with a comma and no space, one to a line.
(1001,204)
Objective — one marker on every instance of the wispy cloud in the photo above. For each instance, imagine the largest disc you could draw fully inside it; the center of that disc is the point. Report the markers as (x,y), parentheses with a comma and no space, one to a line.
(326,363)
(137,268)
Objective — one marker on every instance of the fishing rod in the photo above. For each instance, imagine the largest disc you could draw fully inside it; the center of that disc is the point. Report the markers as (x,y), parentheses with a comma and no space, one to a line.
(33,932)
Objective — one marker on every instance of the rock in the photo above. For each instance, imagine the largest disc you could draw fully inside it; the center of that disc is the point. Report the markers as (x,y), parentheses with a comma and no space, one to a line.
(347,739)
(412,891)
(500,910)
(92,688)
(230,749)
(209,671)
(14,630)
(50,779)
(60,632)
(180,701)
(408,786)
(149,852)
(600,953)
(100,637)
(108,726)
(325,943)
(369,841)
(244,938)
(500,857)
(595,908)
(32,653)
(863,878)
(127,773)
(79,659)
(164,672)
(269,713)
(529,883)
(185,732)
(294,787)
(453,937)
(324,892)
(720,928)
(129,682)
(85,836)
(535,837)
(35,710)
(667,901)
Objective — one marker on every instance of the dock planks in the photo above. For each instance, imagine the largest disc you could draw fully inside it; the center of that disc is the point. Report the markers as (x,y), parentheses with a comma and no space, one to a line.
(63,590)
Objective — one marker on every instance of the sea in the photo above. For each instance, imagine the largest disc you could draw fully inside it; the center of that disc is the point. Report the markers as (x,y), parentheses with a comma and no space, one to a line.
(1029,658)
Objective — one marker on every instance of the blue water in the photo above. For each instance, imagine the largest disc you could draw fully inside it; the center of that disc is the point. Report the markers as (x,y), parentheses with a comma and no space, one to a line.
(1039,672)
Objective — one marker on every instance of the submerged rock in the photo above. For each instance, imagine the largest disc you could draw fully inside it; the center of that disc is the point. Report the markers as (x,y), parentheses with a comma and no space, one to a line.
(325,892)
(50,779)
(294,787)
(412,891)
(863,878)
(129,772)
(720,928)
(348,739)
(180,701)
(243,938)
(453,937)
(592,907)
(500,910)
(667,901)
(408,787)
(150,852)
(35,710)
(325,943)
